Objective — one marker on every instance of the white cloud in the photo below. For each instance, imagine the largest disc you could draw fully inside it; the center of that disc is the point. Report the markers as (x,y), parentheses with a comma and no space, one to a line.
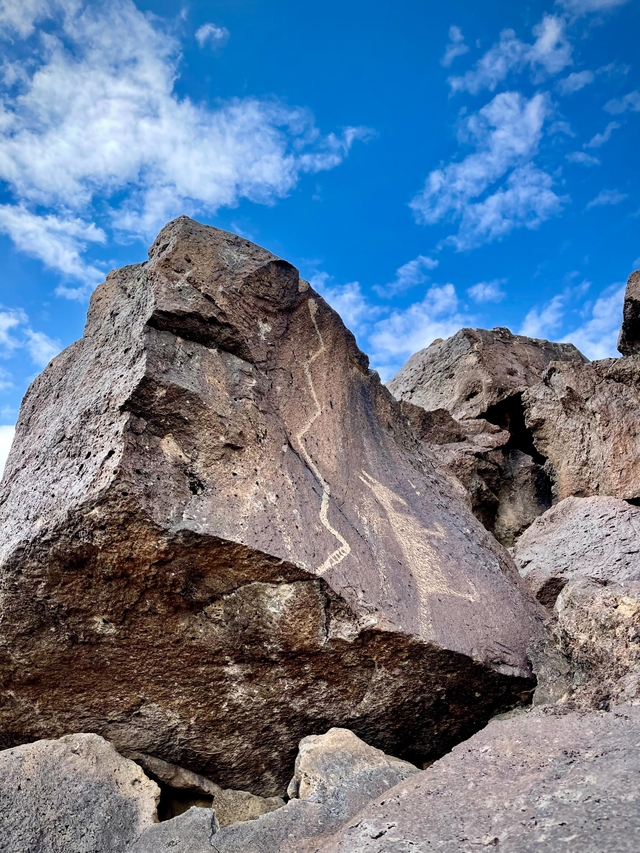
(550,53)
(41,347)
(583,158)
(6,437)
(348,300)
(597,337)
(211,33)
(575,81)
(600,138)
(96,116)
(455,48)
(6,380)
(561,127)
(10,320)
(605,197)
(543,322)
(408,275)
(584,7)
(20,16)
(621,105)
(398,336)
(488,291)
(507,132)
(16,333)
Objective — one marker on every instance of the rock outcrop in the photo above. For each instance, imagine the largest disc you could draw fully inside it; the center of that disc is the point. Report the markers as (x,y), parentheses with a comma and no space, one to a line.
(476,370)
(73,795)
(219,535)
(629,340)
(336,775)
(539,782)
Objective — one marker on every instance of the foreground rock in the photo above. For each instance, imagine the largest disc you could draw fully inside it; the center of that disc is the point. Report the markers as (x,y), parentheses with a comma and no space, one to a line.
(539,782)
(629,340)
(476,370)
(219,534)
(73,795)
(336,775)
(596,538)
(584,422)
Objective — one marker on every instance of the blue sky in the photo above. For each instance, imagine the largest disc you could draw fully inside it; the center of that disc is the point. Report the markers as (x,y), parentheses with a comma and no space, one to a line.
(426,165)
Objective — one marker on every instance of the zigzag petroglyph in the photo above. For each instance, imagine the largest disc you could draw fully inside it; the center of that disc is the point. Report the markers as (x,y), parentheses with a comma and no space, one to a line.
(344,550)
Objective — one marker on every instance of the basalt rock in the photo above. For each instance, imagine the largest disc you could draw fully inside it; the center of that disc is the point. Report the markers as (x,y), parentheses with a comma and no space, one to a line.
(596,538)
(336,775)
(583,419)
(73,795)
(219,534)
(539,782)
(476,370)
(629,340)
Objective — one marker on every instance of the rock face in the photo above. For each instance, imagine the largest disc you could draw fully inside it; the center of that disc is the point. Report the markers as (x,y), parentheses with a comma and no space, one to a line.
(539,782)
(584,422)
(477,369)
(597,538)
(219,535)
(629,340)
(73,794)
(336,775)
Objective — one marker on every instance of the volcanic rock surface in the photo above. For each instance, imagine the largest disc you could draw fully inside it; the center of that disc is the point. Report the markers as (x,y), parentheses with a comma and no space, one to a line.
(596,538)
(629,340)
(476,369)
(539,782)
(219,534)
(73,795)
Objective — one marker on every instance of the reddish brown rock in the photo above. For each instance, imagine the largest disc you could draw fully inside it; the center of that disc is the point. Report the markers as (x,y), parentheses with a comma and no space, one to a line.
(596,538)
(583,419)
(476,370)
(629,340)
(539,782)
(219,535)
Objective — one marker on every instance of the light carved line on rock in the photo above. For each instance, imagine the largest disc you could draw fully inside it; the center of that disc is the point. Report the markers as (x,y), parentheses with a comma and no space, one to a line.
(345,549)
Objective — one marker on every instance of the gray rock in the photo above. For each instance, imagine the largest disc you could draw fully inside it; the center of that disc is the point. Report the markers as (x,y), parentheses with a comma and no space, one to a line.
(216,522)
(73,795)
(629,340)
(336,774)
(476,370)
(596,538)
(537,783)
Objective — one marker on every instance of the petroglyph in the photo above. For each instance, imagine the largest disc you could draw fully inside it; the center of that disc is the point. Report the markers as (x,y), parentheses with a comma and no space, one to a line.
(344,550)
(417,548)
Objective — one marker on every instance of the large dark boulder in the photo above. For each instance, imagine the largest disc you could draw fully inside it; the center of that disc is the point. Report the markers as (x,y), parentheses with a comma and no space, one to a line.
(629,340)
(219,534)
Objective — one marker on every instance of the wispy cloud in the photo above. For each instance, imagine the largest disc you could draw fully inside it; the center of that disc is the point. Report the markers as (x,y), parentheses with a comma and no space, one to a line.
(583,158)
(408,275)
(549,54)
(488,291)
(606,197)
(575,81)
(212,34)
(6,438)
(348,300)
(585,7)
(597,336)
(616,106)
(455,48)
(544,322)
(600,138)
(16,333)
(93,114)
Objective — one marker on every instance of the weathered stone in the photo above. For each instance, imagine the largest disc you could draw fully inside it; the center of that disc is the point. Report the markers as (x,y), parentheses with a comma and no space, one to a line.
(591,657)
(73,795)
(584,421)
(537,783)
(506,487)
(476,370)
(629,340)
(336,775)
(218,534)
(182,789)
(596,538)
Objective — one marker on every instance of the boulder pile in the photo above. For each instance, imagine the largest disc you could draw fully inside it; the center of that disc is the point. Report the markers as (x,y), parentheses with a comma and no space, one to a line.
(267,589)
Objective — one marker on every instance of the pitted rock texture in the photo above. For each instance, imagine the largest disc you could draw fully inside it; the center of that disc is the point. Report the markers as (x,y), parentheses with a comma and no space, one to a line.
(219,535)
(591,654)
(73,795)
(476,369)
(629,340)
(597,538)
(336,775)
(584,422)
(538,783)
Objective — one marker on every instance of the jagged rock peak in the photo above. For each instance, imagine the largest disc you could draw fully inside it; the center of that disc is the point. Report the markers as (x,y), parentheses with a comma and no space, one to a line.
(629,340)
(476,369)
(218,535)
